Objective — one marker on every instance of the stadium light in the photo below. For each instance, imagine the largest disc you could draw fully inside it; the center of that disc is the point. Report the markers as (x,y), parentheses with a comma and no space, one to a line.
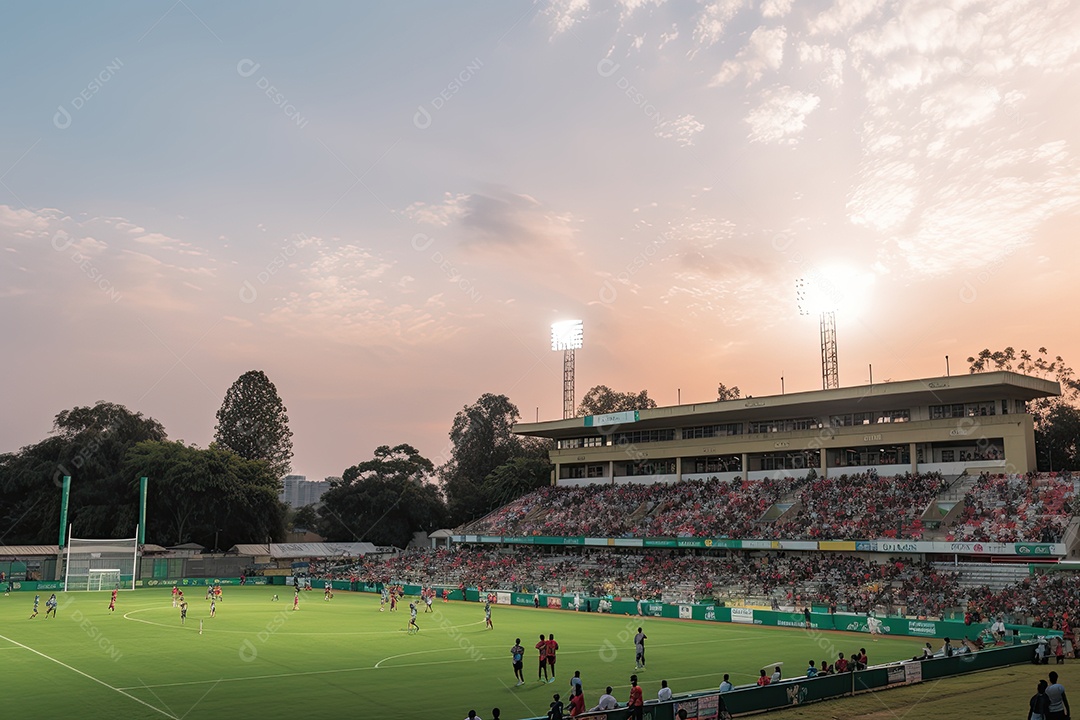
(566,336)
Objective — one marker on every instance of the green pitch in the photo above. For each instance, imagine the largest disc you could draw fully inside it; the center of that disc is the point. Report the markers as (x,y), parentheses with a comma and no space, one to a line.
(344,658)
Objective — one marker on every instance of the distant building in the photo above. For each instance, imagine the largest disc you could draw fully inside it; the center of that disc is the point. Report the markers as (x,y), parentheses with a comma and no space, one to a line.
(298,491)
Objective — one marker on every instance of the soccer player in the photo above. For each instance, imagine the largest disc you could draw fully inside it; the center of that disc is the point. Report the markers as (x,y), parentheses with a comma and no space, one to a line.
(413,627)
(112,603)
(429,596)
(639,649)
(37,599)
(183,612)
(213,608)
(383,598)
(873,625)
(326,593)
(542,647)
(446,595)
(636,704)
(552,648)
(50,606)
(174,593)
(487,615)
(296,600)
(393,600)
(518,654)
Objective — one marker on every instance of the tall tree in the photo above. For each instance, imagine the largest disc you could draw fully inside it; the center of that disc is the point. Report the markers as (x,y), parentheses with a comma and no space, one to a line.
(252,422)
(601,400)
(89,444)
(482,440)
(515,478)
(384,500)
(206,495)
(723,392)
(1057,419)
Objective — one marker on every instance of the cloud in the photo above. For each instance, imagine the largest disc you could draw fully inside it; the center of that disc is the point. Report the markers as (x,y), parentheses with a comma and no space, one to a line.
(763,51)
(713,20)
(502,219)
(776,8)
(440,215)
(781,116)
(832,58)
(682,130)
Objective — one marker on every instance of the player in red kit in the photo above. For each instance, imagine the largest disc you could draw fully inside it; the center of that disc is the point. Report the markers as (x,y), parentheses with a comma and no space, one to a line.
(542,646)
(552,648)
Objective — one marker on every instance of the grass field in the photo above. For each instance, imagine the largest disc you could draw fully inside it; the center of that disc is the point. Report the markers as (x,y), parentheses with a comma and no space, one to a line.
(258,658)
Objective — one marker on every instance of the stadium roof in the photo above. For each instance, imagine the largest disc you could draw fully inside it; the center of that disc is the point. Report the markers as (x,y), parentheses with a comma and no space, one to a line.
(28,550)
(975,387)
(284,551)
(46,550)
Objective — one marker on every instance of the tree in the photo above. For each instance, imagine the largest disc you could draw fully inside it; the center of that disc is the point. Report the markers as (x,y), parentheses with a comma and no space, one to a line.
(482,440)
(601,400)
(252,422)
(513,479)
(723,392)
(1057,439)
(89,444)
(384,500)
(304,518)
(1057,420)
(206,495)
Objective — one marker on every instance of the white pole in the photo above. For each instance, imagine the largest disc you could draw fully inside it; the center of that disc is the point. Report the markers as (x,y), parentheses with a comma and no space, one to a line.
(67,561)
(135,559)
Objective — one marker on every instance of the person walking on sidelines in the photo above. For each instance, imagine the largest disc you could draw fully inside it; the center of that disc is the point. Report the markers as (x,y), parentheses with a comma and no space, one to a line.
(518,654)
(1059,704)
(639,649)
(1039,705)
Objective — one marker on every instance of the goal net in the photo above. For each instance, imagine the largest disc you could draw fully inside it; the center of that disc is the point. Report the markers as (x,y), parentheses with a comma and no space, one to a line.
(100,564)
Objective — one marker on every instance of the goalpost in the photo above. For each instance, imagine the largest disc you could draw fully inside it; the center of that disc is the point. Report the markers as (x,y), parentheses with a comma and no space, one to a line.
(100,564)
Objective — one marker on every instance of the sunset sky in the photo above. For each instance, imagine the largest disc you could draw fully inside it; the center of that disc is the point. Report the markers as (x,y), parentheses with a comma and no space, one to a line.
(385,206)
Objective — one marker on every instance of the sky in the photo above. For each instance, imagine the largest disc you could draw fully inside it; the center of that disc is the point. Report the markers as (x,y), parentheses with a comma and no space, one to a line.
(385,206)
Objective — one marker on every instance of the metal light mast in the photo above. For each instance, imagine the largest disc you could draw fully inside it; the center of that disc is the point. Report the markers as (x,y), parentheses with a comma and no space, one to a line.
(812,300)
(567,337)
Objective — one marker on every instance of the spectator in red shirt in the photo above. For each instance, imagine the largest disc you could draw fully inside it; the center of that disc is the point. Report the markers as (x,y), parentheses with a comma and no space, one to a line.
(636,703)
(763,680)
(841,664)
(577,702)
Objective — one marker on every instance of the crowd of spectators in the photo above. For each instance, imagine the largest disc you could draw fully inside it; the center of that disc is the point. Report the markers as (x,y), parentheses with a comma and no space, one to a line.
(1016,508)
(837,580)
(1050,599)
(861,506)
(998,508)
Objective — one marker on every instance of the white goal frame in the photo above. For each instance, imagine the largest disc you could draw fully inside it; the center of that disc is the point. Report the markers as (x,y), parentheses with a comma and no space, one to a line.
(111,576)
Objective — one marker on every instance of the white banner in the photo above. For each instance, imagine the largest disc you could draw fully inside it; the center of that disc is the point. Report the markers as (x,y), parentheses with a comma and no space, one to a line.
(742,615)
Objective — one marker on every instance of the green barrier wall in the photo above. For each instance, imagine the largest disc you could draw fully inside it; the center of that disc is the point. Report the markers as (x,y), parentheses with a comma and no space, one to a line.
(800,691)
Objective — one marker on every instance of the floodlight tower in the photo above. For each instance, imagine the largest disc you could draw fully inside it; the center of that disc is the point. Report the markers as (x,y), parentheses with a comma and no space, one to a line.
(566,336)
(813,299)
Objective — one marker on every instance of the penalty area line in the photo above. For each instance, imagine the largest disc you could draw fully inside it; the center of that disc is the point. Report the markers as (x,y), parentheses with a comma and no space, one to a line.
(90,677)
